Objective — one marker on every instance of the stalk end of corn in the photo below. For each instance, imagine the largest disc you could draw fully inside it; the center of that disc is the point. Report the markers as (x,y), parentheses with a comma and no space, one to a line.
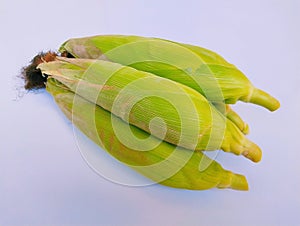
(239,182)
(234,181)
(264,99)
(252,151)
(237,120)
(238,144)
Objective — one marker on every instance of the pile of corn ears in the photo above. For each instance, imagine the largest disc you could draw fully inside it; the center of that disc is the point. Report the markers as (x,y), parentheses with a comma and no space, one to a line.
(153,104)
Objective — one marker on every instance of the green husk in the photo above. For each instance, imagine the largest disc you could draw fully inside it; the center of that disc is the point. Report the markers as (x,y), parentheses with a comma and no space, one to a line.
(196,67)
(178,169)
(193,123)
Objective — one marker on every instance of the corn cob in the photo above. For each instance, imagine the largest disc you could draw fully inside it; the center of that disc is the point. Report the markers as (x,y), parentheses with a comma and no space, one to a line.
(96,123)
(187,64)
(201,127)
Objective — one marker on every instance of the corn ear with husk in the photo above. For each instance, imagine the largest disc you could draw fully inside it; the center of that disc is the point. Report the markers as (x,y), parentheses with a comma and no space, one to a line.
(138,97)
(165,164)
(196,67)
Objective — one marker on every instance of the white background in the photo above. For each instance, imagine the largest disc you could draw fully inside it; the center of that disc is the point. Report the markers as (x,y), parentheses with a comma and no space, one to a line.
(45,181)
